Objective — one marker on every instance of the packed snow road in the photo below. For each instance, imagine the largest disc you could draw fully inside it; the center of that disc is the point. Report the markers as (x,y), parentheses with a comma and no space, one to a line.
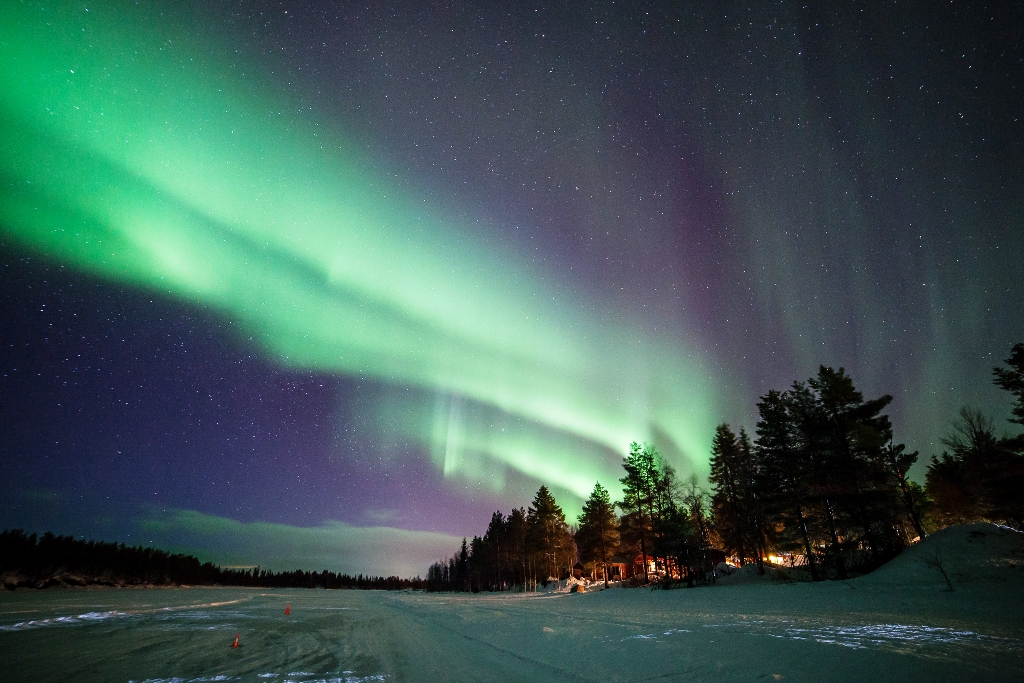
(797,632)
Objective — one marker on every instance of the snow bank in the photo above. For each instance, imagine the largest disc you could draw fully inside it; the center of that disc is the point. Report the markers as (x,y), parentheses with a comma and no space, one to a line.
(570,585)
(973,555)
(745,574)
(748,574)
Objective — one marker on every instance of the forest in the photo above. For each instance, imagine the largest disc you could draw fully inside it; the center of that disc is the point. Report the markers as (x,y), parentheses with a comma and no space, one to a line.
(48,560)
(820,484)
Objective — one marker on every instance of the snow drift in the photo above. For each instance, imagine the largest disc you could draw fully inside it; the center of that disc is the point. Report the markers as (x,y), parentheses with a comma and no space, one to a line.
(973,555)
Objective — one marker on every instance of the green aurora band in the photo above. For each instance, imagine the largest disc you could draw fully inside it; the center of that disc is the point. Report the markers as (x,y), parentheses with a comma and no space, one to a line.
(131,153)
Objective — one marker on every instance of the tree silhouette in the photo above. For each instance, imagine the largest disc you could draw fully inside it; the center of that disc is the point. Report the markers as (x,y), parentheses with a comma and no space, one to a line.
(548,534)
(1012,379)
(735,501)
(783,482)
(979,476)
(598,535)
(50,560)
(640,494)
(897,463)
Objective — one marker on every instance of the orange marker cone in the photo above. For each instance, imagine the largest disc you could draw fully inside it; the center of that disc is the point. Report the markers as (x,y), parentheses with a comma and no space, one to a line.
(235,644)
(287,609)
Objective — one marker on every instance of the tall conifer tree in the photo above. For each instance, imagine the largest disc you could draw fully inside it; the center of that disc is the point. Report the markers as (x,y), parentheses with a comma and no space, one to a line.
(728,498)
(783,481)
(639,495)
(1012,379)
(548,532)
(598,533)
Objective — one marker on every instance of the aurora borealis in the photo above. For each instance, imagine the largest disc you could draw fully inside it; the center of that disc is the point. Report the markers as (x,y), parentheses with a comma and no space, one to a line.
(321,266)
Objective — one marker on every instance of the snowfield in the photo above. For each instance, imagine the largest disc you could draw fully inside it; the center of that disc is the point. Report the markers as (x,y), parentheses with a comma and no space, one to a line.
(901,623)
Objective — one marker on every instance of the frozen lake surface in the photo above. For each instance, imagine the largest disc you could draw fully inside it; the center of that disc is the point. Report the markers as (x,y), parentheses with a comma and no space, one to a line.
(834,631)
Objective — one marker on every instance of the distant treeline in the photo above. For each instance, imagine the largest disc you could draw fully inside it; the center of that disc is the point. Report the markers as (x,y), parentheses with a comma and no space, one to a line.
(49,560)
(821,483)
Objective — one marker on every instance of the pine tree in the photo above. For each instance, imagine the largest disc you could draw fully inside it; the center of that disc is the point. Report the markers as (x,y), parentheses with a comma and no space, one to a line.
(639,495)
(855,434)
(826,484)
(783,483)
(897,463)
(598,535)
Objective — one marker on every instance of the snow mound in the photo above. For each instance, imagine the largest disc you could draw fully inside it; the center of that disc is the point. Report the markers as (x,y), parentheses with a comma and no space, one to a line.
(745,574)
(748,574)
(967,555)
(570,585)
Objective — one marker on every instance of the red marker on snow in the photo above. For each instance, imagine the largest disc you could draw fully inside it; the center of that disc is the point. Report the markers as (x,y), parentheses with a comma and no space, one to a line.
(287,610)
(235,644)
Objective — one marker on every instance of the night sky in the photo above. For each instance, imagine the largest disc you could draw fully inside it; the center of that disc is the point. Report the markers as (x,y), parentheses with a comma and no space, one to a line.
(323,285)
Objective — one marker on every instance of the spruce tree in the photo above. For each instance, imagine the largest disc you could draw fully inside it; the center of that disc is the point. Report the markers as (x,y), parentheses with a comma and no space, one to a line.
(548,532)
(516,526)
(462,567)
(760,530)
(495,546)
(728,500)
(739,518)
(1012,379)
(598,535)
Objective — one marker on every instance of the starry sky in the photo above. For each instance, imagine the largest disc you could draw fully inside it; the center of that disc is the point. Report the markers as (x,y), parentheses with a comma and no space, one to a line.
(323,284)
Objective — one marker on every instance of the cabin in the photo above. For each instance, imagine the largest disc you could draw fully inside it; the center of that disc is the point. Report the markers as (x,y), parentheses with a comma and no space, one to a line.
(638,565)
(616,571)
(716,556)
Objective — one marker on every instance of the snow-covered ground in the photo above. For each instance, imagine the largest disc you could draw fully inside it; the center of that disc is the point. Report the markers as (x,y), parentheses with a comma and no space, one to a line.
(901,624)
